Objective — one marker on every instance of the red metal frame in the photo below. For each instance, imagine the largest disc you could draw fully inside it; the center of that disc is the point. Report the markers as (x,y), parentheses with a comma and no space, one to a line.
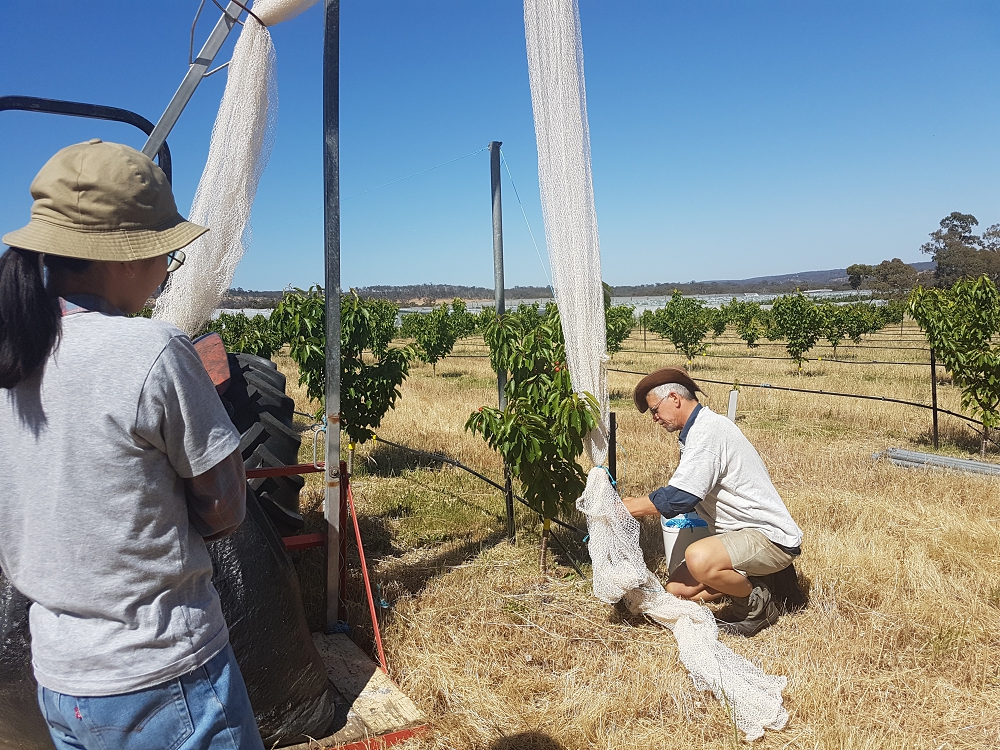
(386,740)
(284,471)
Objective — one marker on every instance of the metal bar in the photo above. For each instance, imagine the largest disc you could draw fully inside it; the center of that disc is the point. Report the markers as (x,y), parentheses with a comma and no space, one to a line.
(93,112)
(368,584)
(304,541)
(934,406)
(613,446)
(196,71)
(331,251)
(498,297)
(345,488)
(283,471)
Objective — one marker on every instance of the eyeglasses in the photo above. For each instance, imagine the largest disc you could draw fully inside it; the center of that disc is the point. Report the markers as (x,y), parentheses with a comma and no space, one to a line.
(175,260)
(652,409)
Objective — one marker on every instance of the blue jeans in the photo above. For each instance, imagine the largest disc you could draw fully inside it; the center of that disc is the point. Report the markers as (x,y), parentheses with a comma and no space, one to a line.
(207,709)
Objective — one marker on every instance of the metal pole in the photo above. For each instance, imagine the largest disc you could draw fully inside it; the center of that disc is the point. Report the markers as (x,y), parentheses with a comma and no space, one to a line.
(195,73)
(934,408)
(331,248)
(499,301)
(613,446)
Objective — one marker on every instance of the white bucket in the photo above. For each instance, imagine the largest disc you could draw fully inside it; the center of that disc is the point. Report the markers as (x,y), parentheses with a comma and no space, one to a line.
(678,533)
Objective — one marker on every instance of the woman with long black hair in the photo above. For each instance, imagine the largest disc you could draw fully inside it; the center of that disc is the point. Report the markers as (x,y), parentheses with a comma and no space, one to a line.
(119,462)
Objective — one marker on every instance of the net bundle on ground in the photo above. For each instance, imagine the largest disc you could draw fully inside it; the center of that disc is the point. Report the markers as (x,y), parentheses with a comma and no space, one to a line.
(752,697)
(239,151)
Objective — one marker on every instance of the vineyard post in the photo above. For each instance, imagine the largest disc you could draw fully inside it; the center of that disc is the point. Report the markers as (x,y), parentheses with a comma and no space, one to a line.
(613,446)
(499,300)
(331,253)
(934,408)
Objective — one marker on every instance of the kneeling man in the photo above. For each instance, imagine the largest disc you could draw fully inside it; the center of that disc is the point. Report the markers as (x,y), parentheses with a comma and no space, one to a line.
(722,477)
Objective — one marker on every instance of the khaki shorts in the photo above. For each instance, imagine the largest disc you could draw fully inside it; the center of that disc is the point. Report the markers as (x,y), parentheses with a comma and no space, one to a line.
(753,554)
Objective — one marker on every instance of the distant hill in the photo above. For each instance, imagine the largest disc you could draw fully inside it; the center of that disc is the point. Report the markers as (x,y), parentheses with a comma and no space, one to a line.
(834,278)
(424,294)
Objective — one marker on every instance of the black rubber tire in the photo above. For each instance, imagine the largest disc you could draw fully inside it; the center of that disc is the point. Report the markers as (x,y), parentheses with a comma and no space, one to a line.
(263,415)
(251,363)
(283,441)
(268,398)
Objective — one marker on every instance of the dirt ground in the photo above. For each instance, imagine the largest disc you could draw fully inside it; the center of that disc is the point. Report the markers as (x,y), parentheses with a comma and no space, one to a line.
(897,648)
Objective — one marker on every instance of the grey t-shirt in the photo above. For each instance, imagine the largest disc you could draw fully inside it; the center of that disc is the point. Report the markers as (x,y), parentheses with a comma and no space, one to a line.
(94,523)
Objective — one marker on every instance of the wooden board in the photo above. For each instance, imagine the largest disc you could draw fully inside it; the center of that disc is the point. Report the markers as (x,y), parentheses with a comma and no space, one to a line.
(376,713)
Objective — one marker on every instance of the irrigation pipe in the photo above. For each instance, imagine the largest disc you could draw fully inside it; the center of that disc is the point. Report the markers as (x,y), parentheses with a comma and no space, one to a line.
(459,465)
(887,399)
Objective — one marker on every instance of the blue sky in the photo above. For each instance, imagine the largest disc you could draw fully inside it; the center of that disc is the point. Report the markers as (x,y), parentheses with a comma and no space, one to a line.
(730,139)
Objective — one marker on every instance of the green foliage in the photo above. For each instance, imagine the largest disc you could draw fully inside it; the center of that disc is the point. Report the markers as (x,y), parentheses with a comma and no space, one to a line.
(435,336)
(749,319)
(962,324)
(833,323)
(300,317)
(410,325)
(797,320)
(250,335)
(462,322)
(684,322)
(962,254)
(618,323)
(368,389)
(717,321)
(146,312)
(541,431)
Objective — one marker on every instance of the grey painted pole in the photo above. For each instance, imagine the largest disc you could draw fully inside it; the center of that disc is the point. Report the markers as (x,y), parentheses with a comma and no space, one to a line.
(331,251)
(500,309)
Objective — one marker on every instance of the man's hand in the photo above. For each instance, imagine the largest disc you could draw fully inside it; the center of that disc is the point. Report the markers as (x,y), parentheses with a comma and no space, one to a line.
(640,506)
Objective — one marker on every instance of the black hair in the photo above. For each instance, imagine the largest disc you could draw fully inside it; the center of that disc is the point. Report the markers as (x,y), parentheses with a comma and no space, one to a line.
(30,319)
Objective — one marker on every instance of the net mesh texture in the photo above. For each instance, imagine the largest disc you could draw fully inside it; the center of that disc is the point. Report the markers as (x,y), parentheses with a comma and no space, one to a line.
(752,697)
(559,102)
(237,155)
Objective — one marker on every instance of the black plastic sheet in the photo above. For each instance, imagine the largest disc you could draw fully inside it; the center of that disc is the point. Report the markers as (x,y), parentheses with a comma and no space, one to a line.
(285,676)
(21,723)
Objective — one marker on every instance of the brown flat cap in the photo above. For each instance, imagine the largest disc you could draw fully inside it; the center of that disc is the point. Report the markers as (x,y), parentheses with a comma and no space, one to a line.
(662,376)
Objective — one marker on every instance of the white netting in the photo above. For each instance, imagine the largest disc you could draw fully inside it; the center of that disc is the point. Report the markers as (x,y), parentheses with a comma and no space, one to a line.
(241,145)
(559,101)
(752,697)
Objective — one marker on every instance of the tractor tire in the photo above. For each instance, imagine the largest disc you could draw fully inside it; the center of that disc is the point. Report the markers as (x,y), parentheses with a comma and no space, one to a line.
(263,415)
(264,368)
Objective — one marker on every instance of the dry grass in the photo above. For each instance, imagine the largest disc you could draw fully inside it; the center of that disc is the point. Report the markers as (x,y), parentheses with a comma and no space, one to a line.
(898,647)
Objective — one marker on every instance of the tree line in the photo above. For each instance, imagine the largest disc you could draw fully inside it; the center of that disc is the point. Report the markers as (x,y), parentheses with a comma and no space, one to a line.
(958,252)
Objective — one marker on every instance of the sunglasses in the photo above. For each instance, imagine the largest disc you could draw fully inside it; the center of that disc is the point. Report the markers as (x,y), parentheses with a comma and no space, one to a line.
(175,260)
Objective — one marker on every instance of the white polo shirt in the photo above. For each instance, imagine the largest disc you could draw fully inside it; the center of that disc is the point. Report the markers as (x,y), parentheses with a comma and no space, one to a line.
(719,465)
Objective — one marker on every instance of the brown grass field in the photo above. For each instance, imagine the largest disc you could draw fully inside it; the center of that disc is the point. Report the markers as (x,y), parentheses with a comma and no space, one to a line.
(899,646)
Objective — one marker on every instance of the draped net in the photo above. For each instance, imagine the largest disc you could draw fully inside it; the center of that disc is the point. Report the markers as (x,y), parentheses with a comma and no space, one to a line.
(752,697)
(559,101)
(240,148)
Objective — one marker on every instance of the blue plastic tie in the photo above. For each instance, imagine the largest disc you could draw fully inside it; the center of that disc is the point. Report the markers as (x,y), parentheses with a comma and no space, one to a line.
(607,471)
(340,627)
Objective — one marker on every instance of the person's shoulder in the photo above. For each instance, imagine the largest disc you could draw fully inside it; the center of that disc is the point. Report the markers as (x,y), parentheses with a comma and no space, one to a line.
(710,427)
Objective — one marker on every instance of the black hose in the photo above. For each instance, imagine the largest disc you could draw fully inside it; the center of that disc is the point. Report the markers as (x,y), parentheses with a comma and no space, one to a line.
(458,465)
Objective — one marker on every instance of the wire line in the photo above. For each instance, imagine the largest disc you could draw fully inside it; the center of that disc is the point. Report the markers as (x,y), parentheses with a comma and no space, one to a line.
(525,215)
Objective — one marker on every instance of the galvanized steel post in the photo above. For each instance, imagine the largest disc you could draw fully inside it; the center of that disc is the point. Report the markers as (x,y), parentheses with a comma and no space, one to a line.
(331,252)
(499,302)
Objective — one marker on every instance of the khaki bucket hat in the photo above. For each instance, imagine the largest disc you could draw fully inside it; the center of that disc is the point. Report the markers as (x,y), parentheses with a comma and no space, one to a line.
(103,201)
